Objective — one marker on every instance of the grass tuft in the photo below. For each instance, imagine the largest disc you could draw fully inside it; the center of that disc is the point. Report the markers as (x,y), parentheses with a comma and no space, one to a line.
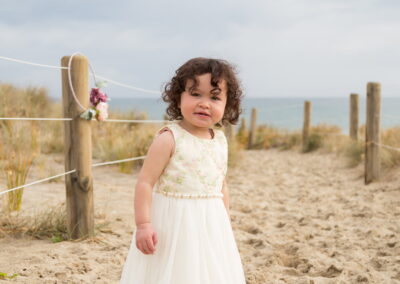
(49,223)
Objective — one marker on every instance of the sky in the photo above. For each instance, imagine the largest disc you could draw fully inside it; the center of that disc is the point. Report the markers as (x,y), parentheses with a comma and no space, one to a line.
(286,48)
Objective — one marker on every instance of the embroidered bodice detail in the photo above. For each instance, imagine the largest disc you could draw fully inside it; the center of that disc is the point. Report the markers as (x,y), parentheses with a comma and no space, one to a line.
(197,167)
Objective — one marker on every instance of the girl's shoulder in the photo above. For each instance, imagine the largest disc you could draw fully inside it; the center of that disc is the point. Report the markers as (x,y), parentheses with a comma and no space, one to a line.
(177,132)
(166,140)
(171,127)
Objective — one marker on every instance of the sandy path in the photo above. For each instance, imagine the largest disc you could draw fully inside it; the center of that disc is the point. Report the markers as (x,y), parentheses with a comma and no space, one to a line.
(313,221)
(297,219)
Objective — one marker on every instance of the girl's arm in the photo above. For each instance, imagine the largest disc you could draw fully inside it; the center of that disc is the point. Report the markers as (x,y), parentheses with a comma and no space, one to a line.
(157,158)
(225,192)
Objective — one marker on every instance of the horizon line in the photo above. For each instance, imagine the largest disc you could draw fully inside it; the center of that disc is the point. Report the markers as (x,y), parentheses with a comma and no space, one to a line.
(245,97)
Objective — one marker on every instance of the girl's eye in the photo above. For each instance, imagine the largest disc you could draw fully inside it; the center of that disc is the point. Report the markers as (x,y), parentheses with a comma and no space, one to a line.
(215,98)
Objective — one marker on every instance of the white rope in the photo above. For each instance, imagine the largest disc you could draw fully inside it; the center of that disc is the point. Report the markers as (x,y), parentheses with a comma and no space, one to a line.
(68,119)
(133,120)
(36,182)
(69,172)
(118,161)
(92,71)
(129,86)
(70,78)
(33,118)
(31,63)
(387,146)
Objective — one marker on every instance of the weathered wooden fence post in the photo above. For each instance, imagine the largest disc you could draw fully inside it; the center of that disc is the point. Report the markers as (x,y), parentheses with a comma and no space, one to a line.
(242,127)
(242,134)
(230,132)
(78,150)
(165,117)
(372,133)
(307,122)
(252,132)
(354,108)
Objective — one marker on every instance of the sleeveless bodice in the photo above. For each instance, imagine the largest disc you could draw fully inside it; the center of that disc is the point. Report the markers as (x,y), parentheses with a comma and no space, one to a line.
(197,167)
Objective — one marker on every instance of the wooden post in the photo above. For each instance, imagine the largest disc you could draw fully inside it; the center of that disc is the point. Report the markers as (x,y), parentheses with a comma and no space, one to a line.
(165,117)
(354,107)
(230,132)
(252,132)
(307,122)
(78,150)
(372,157)
(242,134)
(242,127)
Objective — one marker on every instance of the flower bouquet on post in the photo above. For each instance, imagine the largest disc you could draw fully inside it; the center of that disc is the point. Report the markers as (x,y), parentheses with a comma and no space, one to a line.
(99,108)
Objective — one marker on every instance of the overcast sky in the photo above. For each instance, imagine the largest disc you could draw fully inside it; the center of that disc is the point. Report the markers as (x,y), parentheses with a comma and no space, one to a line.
(286,48)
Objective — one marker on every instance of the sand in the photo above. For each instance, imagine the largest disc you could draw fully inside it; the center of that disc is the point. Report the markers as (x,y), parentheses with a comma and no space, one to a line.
(297,218)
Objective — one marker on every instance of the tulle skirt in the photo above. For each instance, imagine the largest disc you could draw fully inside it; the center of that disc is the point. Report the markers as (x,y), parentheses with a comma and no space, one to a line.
(196,245)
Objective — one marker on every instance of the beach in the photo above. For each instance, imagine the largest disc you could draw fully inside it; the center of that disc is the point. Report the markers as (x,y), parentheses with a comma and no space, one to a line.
(297,218)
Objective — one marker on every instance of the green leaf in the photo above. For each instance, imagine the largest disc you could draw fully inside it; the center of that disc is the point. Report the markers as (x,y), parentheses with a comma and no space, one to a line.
(56,239)
(5,275)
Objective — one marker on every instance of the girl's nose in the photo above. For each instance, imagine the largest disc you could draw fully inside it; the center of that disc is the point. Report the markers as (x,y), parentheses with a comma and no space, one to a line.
(204,103)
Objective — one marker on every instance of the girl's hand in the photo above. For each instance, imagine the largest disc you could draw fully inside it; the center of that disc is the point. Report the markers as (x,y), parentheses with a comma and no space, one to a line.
(146,238)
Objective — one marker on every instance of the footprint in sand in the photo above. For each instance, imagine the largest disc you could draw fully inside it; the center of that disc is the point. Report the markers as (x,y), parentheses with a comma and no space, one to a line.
(331,272)
(77,250)
(362,279)
(299,265)
(280,225)
(81,268)
(252,230)
(256,243)
(245,209)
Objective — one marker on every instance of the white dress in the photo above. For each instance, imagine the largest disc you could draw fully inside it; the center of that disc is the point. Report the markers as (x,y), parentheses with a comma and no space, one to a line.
(196,244)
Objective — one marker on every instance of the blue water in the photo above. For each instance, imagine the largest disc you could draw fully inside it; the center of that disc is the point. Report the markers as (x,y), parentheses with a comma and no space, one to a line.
(285,113)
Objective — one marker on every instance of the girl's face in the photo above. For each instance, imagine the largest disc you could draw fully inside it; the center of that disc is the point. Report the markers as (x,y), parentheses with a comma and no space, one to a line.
(204,105)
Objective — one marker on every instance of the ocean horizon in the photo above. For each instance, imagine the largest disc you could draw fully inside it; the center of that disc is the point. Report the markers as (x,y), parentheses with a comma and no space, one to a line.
(283,113)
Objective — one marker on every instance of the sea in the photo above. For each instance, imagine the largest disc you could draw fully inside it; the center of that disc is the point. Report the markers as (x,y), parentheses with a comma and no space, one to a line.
(283,113)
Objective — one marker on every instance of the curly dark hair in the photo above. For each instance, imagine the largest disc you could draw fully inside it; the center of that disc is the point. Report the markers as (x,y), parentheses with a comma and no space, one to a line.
(219,70)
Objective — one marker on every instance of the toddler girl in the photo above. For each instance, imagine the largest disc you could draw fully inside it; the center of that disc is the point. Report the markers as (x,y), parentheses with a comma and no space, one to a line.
(183,232)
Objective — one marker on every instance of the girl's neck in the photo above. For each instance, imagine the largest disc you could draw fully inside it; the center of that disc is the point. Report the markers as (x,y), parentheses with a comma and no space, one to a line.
(202,132)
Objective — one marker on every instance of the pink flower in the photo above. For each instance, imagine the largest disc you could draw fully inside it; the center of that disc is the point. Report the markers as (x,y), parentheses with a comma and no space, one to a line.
(96,96)
(102,111)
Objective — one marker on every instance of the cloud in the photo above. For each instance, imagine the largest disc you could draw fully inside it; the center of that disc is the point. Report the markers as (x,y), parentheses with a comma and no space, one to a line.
(281,48)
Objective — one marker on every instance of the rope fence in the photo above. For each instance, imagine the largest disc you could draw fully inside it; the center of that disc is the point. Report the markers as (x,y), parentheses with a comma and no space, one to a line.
(92,71)
(134,159)
(68,68)
(70,172)
(69,119)
(80,220)
(78,145)
(387,146)
(35,118)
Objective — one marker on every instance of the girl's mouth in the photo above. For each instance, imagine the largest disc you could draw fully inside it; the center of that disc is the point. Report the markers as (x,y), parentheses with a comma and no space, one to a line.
(202,114)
